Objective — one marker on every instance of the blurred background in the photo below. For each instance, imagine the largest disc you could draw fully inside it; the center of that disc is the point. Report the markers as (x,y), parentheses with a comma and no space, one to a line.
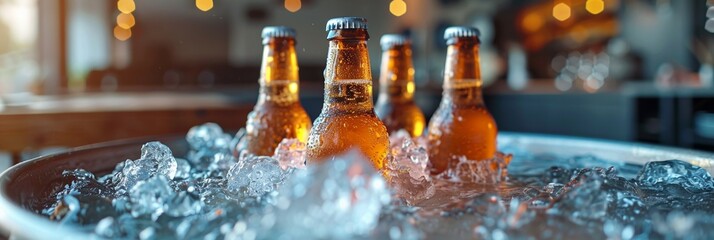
(76,72)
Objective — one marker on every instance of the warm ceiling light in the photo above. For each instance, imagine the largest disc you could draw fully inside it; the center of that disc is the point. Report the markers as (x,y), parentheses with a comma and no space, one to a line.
(398,7)
(204,5)
(125,21)
(532,22)
(561,11)
(126,6)
(122,34)
(595,6)
(293,5)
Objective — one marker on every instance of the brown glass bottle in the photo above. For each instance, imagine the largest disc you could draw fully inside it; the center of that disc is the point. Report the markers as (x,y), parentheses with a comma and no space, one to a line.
(347,119)
(461,125)
(278,113)
(395,105)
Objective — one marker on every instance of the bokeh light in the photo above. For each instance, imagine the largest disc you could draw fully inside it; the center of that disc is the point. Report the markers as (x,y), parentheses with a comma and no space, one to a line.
(293,5)
(398,7)
(122,34)
(204,5)
(595,6)
(532,22)
(126,6)
(561,11)
(125,20)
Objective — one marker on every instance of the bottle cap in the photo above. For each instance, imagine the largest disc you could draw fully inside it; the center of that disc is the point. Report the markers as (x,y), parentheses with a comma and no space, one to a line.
(459,31)
(278,31)
(390,40)
(346,23)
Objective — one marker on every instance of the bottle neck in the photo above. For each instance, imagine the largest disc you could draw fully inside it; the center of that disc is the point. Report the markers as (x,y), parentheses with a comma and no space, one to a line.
(462,73)
(279,71)
(397,74)
(348,76)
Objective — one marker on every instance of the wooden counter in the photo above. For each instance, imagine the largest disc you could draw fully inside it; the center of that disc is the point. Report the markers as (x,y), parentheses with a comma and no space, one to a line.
(76,120)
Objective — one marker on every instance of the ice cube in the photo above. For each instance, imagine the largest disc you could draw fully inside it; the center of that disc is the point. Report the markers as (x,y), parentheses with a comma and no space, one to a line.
(131,173)
(150,197)
(341,198)
(407,169)
(183,169)
(78,174)
(221,162)
(209,136)
(162,156)
(406,155)
(236,139)
(137,171)
(211,160)
(290,153)
(255,177)
(692,178)
(203,136)
(211,191)
(201,159)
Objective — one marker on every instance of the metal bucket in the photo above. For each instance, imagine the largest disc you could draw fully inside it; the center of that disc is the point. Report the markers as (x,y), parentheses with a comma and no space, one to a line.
(26,187)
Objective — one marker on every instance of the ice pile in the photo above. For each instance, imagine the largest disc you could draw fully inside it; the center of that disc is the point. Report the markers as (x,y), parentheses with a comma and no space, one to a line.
(336,199)
(290,153)
(219,192)
(213,194)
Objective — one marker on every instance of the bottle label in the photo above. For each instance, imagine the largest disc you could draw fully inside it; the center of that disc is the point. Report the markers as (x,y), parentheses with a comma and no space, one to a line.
(280,90)
(349,91)
(462,83)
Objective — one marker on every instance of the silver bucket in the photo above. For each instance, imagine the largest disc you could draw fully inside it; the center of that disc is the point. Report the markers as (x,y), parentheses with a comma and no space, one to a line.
(25,187)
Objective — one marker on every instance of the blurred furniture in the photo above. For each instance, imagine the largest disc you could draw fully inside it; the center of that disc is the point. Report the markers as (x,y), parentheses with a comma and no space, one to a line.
(184,77)
(76,120)
(634,111)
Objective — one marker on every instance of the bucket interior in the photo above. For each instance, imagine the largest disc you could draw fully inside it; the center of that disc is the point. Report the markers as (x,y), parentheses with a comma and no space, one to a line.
(31,184)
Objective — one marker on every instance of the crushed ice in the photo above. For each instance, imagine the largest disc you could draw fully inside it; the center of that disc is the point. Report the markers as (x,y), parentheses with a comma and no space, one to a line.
(216,191)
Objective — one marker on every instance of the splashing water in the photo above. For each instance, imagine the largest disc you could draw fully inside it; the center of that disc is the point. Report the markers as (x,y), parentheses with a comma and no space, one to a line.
(217,192)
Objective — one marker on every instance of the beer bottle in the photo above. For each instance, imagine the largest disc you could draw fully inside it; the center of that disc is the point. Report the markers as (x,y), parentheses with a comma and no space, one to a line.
(278,113)
(461,126)
(347,119)
(395,105)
